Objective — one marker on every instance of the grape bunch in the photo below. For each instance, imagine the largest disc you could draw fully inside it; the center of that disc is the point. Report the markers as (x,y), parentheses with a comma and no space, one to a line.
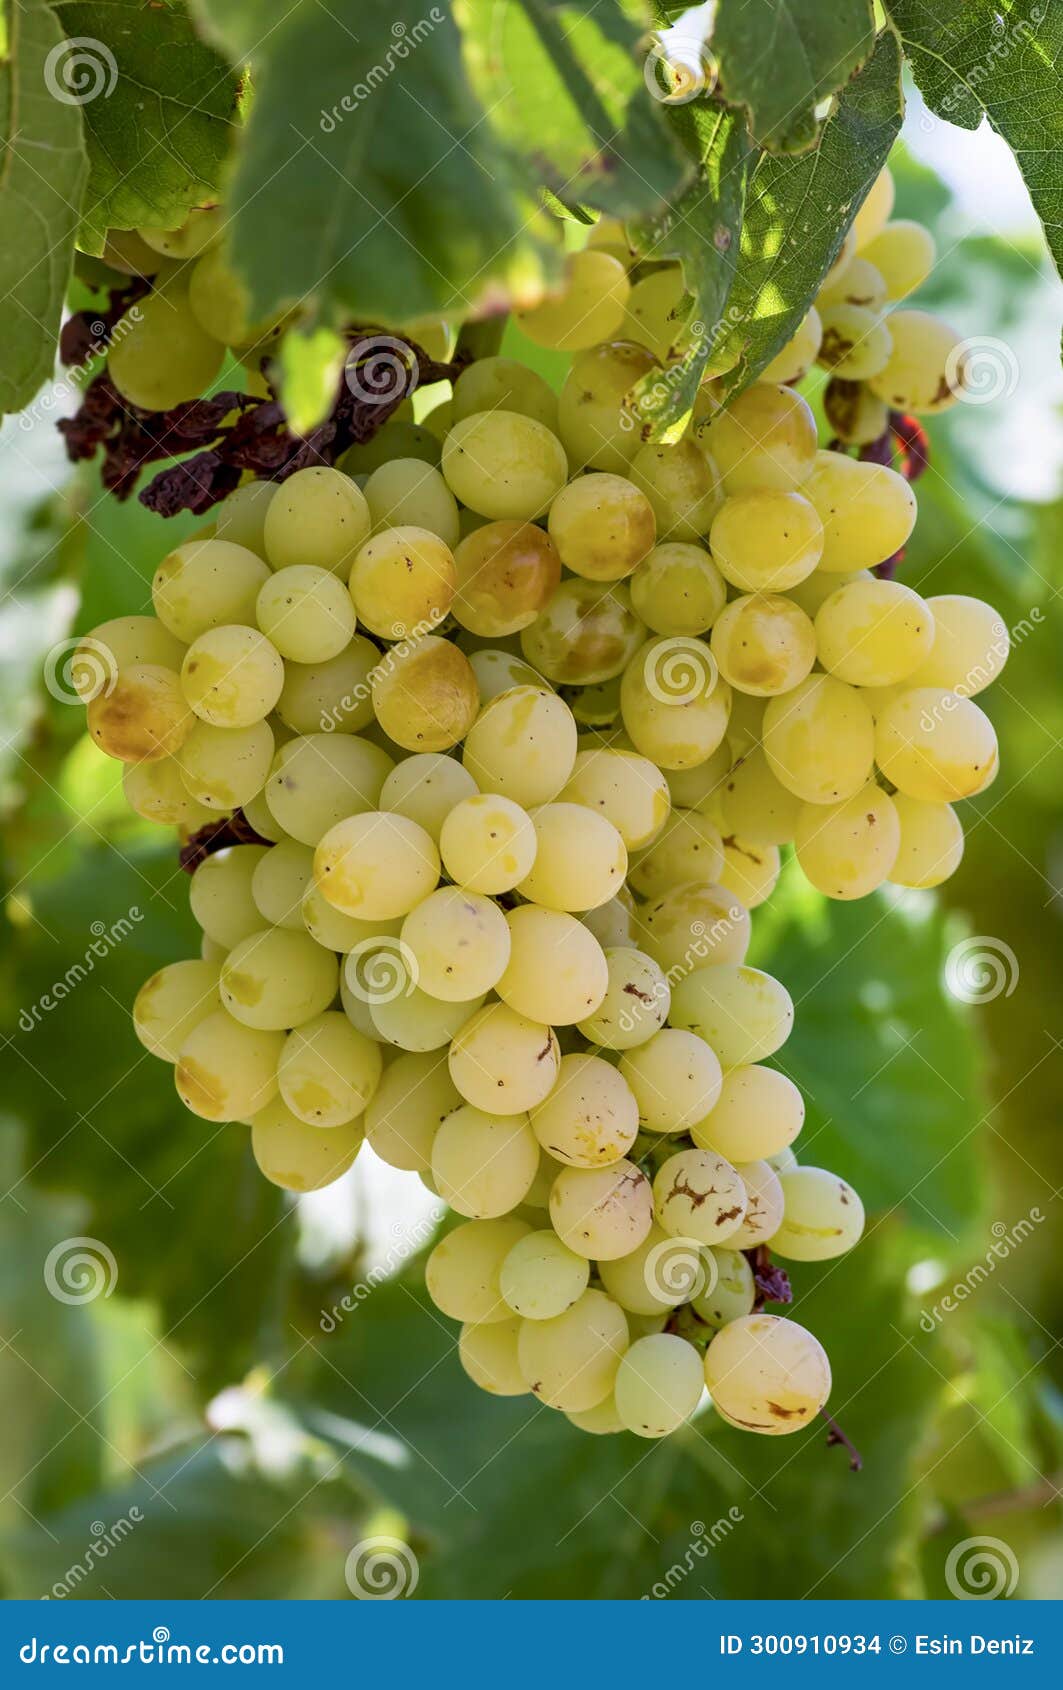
(481,744)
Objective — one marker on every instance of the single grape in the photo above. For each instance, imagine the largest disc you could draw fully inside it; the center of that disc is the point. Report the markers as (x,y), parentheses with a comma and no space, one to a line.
(767,1374)
(299,1157)
(597,430)
(587,632)
(766,438)
(280,883)
(699,1195)
(503,384)
(731,1290)
(935,745)
(503,464)
(328,1071)
(408,493)
(749,871)
(277,979)
(557,971)
(159,354)
(405,1112)
(658,1385)
(223,767)
(488,1355)
(676,1079)
(927,368)
(143,717)
(628,790)
(635,1004)
(688,848)
(306,612)
(694,925)
(487,843)
(226,1071)
(602,526)
(874,214)
(426,787)
(588,308)
(868,511)
(157,792)
(675,706)
(904,253)
(755,806)
(856,341)
(462,1274)
(522,746)
(797,357)
(823,1216)
(580,859)
(241,517)
(677,589)
(819,740)
(320,780)
(930,848)
(459,942)
(743,1013)
(483,1165)
(848,850)
(541,1277)
(232,676)
(764,1205)
(425,694)
(766,540)
(335,697)
(172,1003)
(207,584)
(589,1118)
(220,894)
(970,646)
(682,486)
(570,1361)
(376,865)
(602,1213)
(317,516)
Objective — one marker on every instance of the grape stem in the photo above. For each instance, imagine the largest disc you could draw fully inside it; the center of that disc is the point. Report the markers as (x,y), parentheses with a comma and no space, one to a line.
(215,836)
(837,1436)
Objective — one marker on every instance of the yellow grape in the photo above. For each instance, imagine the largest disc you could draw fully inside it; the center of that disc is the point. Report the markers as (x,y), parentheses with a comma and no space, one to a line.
(764,644)
(847,850)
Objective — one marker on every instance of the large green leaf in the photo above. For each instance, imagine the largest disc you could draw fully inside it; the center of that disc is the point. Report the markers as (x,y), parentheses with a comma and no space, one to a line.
(798,210)
(1001,58)
(42,174)
(780,58)
(159,108)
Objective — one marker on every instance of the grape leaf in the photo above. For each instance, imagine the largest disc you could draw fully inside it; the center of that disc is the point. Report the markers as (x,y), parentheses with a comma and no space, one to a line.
(159,108)
(780,58)
(798,211)
(1000,58)
(41,180)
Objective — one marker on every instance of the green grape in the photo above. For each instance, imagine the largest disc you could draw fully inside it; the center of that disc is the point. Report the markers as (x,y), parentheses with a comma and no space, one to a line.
(847,850)
(856,341)
(857,416)
(410,1019)
(425,694)
(653,318)
(602,526)
(488,1355)
(602,1213)
(931,842)
(223,767)
(682,486)
(376,865)
(677,589)
(220,894)
(589,307)
(403,582)
(731,1291)
(506,574)
(522,746)
(280,883)
(868,511)
(970,646)
(875,212)
(503,384)
(226,1071)
(172,1002)
(796,358)
(299,1157)
(258,814)
(766,438)
(628,790)
(676,1080)
(587,632)
(503,464)
(782,1161)
(610,923)
(658,1275)
(600,1420)
(340,932)
(221,302)
(658,1385)
(328,1071)
(241,518)
(766,539)
(406,1110)
(596,429)
(635,1004)
(767,1374)
(116,645)
(143,717)
(764,644)
(698,1195)
(764,1205)
(692,925)
(749,871)
(483,1165)
(904,253)
(824,1217)
(759,1112)
(580,859)
(688,848)
(755,806)
(459,941)
(819,740)
(463,1272)
(157,792)
(609,235)
(487,843)
(570,1361)
(698,788)
(538,1195)
(159,355)
(317,516)
(874,633)
(426,788)
(501,671)
(232,676)
(202,225)
(541,1277)
(408,493)
(277,979)
(743,1013)
(557,972)
(398,438)
(502,1062)
(674,705)
(306,612)
(813,593)
(859,283)
(320,780)
(935,745)
(331,697)
(590,1118)
(745,725)
(927,369)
